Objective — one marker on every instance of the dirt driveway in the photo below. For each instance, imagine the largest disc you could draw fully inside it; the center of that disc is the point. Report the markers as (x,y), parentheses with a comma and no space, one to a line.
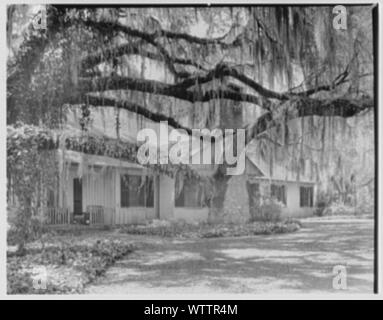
(290,263)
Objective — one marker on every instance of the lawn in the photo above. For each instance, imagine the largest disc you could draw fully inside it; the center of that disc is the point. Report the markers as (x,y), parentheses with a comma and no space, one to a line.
(63,264)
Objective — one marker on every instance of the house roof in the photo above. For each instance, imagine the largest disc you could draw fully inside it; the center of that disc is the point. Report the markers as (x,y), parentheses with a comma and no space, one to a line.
(97,160)
(257,166)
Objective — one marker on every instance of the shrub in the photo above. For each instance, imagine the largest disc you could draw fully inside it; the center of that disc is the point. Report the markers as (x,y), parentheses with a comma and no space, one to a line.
(18,282)
(269,210)
(366,203)
(339,209)
(90,261)
(204,230)
(320,207)
(323,201)
(162,228)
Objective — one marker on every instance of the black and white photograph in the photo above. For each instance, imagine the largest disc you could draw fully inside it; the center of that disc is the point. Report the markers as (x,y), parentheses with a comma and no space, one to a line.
(191,149)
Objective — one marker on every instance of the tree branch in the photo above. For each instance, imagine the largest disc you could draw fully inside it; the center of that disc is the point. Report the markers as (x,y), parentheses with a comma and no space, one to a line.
(313,107)
(86,85)
(223,70)
(156,117)
(107,27)
(94,59)
(150,37)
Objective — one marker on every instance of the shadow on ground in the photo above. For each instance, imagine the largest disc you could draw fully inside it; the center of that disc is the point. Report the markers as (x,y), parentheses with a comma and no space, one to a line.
(297,263)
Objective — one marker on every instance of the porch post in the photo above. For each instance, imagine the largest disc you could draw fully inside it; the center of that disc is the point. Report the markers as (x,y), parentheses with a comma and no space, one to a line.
(117,194)
(166,197)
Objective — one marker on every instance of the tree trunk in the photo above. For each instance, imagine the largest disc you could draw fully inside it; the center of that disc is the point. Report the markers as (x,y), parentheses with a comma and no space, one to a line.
(231,117)
(220,184)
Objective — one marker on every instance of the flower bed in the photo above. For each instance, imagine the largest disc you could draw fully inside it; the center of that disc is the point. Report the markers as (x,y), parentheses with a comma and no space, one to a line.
(204,230)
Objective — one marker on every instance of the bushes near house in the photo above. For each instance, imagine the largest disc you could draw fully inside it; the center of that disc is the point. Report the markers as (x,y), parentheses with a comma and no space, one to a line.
(359,204)
(265,208)
(320,208)
(340,209)
(205,230)
(251,229)
(269,211)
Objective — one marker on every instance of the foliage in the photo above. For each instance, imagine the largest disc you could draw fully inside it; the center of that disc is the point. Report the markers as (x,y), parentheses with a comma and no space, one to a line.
(366,200)
(205,230)
(361,203)
(40,74)
(23,139)
(320,209)
(266,209)
(89,261)
(27,180)
(267,43)
(270,210)
(18,282)
(339,209)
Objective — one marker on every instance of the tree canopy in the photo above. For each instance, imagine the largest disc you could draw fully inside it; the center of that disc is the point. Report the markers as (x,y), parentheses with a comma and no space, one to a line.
(286,68)
(277,54)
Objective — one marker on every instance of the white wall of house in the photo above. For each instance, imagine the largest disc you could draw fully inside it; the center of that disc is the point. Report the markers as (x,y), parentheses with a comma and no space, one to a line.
(293,208)
(292,190)
(101,186)
(98,188)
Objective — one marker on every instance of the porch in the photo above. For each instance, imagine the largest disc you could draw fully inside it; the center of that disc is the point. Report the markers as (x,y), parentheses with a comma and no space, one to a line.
(97,215)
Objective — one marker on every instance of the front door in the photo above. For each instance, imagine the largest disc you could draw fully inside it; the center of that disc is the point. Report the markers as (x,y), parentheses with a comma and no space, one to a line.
(77,196)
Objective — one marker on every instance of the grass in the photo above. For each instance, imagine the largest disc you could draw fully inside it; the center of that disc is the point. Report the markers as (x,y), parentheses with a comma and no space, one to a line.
(62,267)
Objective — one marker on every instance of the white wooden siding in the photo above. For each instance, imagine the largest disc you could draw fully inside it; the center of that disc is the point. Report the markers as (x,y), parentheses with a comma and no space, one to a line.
(101,186)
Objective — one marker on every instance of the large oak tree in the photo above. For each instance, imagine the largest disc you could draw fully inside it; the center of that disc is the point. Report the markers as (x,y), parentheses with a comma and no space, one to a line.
(282,63)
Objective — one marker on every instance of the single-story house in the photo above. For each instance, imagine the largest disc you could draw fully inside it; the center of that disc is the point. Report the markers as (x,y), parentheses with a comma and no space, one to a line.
(110,190)
(125,192)
(113,191)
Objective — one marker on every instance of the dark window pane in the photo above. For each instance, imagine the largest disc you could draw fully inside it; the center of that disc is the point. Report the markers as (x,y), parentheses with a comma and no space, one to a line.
(137,191)
(191,196)
(306,196)
(77,195)
(149,192)
(278,192)
(51,198)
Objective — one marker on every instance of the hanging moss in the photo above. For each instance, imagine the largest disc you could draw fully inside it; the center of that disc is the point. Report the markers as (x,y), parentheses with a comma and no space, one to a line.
(23,138)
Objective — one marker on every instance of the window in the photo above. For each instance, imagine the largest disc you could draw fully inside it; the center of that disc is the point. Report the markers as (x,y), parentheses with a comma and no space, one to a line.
(191,196)
(253,189)
(278,192)
(306,196)
(136,191)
